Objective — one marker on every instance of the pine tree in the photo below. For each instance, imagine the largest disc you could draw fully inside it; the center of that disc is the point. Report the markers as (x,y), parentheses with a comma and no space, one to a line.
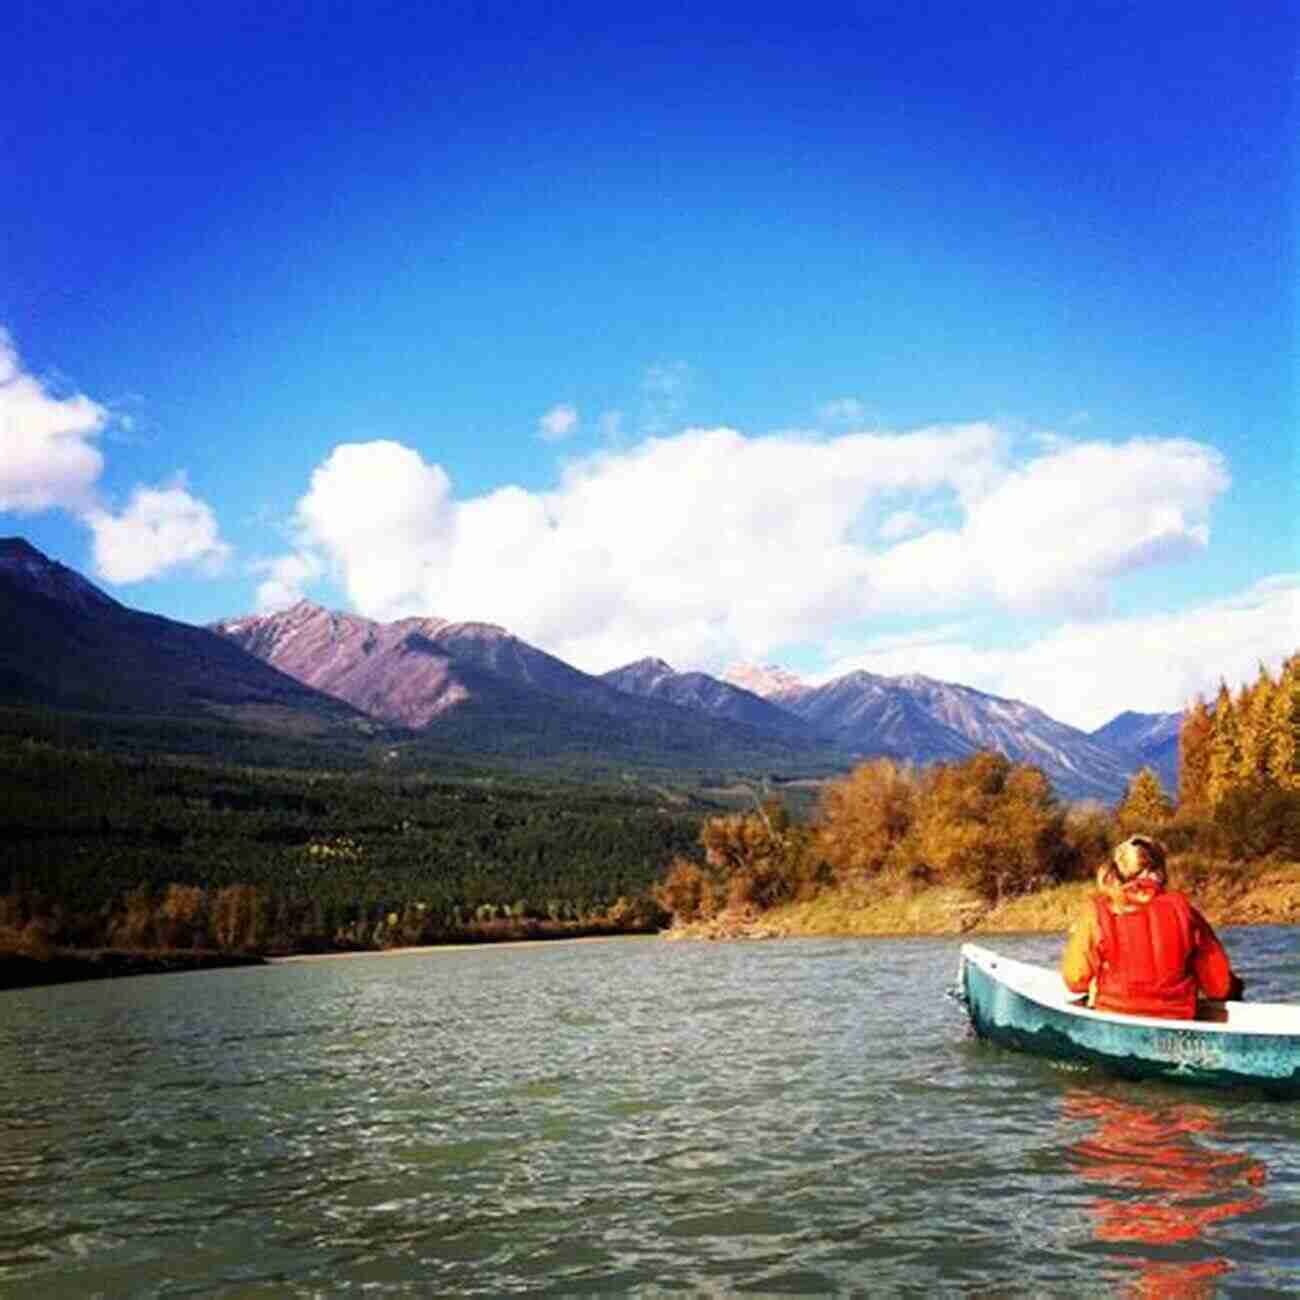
(1225,747)
(1145,804)
(1284,757)
(1258,728)
(1194,738)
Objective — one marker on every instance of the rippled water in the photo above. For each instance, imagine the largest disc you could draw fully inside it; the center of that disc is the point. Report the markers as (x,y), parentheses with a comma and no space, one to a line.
(799,1117)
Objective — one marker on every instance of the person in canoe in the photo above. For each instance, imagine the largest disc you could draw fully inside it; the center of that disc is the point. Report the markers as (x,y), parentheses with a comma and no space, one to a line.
(1140,948)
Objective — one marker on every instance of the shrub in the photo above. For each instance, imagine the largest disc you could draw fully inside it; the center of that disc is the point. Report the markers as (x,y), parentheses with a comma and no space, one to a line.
(1258,819)
(686,893)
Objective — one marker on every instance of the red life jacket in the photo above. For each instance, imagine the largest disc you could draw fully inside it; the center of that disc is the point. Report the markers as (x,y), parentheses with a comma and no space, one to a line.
(1146,958)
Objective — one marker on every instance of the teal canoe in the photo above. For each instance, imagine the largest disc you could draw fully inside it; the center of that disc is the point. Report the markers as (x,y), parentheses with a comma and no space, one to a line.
(1028,1007)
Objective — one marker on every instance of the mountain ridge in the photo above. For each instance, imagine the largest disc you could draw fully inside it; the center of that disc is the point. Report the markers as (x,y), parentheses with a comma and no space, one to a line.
(65,644)
(476,686)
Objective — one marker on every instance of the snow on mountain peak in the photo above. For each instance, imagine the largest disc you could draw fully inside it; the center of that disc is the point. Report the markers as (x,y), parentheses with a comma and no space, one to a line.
(764,680)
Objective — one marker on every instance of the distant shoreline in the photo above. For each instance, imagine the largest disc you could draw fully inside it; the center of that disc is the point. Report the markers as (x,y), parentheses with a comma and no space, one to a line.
(1270,898)
(423,949)
(24,970)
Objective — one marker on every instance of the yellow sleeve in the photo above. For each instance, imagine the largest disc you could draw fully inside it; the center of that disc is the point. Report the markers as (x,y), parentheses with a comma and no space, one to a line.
(1079,960)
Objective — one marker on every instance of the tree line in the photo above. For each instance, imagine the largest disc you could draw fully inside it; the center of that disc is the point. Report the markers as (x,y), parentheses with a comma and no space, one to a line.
(104,850)
(997,829)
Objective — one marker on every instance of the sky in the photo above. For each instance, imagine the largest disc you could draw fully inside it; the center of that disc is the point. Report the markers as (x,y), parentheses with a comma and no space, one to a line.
(934,338)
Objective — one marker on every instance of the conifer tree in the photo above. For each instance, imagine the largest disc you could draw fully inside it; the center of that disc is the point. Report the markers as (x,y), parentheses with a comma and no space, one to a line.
(1284,757)
(1145,805)
(1258,728)
(1194,738)
(1225,747)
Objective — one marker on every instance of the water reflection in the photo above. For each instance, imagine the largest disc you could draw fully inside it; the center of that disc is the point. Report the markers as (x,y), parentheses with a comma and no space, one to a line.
(1162,1178)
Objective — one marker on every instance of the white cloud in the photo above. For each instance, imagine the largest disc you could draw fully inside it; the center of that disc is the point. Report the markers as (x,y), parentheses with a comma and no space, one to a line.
(558,423)
(48,458)
(1053,534)
(48,461)
(1086,673)
(710,545)
(160,529)
(382,517)
(286,580)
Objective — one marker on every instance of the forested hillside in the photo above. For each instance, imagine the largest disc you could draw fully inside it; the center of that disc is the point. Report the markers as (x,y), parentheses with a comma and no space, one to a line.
(104,849)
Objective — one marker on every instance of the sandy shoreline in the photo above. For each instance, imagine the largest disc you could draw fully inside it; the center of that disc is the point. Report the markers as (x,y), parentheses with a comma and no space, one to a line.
(427,948)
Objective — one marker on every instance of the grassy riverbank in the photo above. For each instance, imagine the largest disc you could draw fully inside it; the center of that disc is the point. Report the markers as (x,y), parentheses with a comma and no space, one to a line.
(1261,894)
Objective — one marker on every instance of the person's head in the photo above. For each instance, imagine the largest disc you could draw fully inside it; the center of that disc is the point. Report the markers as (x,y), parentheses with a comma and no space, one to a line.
(1136,872)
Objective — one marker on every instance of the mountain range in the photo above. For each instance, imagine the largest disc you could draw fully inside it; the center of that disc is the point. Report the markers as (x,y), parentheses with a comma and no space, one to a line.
(474,688)
(66,645)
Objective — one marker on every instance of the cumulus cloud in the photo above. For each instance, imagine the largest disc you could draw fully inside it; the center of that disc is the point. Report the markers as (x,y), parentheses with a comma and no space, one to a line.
(711,545)
(49,461)
(1085,673)
(48,458)
(558,423)
(286,580)
(159,529)
(382,518)
(1052,535)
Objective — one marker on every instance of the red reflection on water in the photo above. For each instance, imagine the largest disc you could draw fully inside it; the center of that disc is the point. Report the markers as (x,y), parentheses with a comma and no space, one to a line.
(1166,1185)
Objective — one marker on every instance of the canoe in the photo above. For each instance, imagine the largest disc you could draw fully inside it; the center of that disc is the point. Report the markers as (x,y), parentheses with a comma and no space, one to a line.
(1028,1007)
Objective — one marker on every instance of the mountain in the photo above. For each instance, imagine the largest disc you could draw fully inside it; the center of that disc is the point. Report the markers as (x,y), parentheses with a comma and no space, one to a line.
(654,679)
(1148,740)
(766,680)
(918,719)
(476,686)
(64,644)
(391,672)
(1136,732)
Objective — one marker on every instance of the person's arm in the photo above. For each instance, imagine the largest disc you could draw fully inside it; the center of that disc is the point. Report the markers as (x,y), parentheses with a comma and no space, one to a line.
(1210,963)
(1079,960)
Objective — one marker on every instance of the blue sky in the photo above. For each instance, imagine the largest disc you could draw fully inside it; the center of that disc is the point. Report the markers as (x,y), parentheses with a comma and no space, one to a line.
(911,338)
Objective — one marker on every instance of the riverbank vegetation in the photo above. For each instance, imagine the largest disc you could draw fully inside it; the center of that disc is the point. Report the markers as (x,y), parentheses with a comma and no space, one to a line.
(109,850)
(105,851)
(985,844)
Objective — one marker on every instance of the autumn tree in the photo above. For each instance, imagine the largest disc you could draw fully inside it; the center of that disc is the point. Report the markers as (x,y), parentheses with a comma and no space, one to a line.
(760,858)
(1259,729)
(991,825)
(1194,737)
(1145,804)
(1284,758)
(686,893)
(182,917)
(864,818)
(1225,746)
(239,918)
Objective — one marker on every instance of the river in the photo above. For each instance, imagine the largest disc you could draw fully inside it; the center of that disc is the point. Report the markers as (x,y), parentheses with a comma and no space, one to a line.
(800,1117)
